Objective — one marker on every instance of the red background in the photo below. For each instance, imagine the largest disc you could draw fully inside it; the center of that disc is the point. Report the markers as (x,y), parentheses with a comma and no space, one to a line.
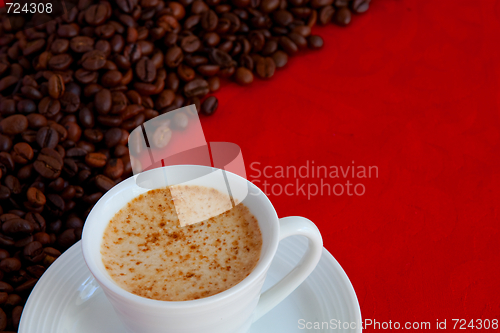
(411,87)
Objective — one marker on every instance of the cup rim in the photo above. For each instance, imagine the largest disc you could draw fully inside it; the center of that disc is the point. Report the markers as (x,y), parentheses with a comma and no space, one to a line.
(106,281)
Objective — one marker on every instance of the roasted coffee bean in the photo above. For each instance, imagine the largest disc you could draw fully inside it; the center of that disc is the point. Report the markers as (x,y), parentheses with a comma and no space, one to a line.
(60,62)
(315,42)
(103,101)
(14,124)
(35,196)
(47,137)
(33,252)
(49,163)
(49,107)
(360,6)
(145,70)
(36,120)
(96,14)
(114,168)
(103,183)
(82,44)
(280,58)
(22,153)
(342,16)
(196,88)
(31,92)
(55,204)
(190,44)
(209,106)
(180,120)
(112,137)
(9,265)
(265,67)
(37,220)
(26,106)
(93,60)
(12,184)
(243,76)
(325,15)
(213,83)
(162,136)
(174,56)
(66,238)
(268,6)
(95,160)
(185,73)
(17,226)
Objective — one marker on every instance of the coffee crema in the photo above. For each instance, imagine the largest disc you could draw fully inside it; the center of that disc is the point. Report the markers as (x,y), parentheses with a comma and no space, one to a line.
(147,252)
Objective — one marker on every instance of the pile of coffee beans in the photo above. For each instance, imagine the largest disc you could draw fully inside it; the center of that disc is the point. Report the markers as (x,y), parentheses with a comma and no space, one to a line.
(72,88)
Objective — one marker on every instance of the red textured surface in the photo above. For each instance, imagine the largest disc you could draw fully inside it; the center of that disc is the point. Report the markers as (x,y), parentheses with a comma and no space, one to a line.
(413,88)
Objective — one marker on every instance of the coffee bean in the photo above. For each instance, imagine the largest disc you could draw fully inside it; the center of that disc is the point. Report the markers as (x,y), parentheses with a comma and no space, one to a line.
(17,226)
(95,160)
(315,42)
(213,83)
(288,45)
(190,44)
(22,153)
(103,101)
(196,88)
(103,183)
(114,168)
(325,15)
(174,57)
(360,6)
(280,59)
(14,124)
(243,76)
(47,137)
(49,163)
(162,136)
(70,102)
(180,120)
(93,60)
(112,137)
(10,265)
(268,6)
(82,44)
(60,62)
(33,252)
(145,70)
(209,106)
(35,196)
(96,14)
(36,120)
(342,16)
(49,107)
(55,204)
(265,67)
(56,86)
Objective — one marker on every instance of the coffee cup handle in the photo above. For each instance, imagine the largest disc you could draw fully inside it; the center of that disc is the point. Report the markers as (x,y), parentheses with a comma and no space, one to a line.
(290,226)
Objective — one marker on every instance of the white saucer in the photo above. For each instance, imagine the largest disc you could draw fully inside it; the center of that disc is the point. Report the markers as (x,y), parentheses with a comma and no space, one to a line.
(68,300)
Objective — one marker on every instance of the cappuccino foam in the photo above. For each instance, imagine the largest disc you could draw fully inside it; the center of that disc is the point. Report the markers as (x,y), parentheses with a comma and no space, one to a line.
(147,252)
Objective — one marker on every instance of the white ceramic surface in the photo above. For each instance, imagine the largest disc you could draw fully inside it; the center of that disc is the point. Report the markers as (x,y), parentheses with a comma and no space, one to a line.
(231,311)
(68,300)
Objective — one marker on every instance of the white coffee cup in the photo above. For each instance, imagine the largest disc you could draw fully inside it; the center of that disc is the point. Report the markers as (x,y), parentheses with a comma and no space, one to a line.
(231,311)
